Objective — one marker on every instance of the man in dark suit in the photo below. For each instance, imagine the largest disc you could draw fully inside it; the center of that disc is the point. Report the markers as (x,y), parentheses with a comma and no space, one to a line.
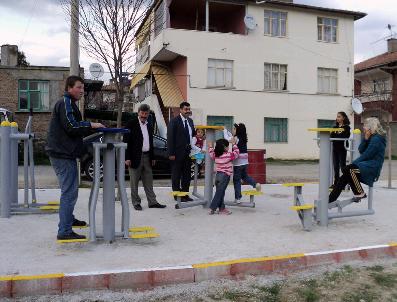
(139,157)
(179,135)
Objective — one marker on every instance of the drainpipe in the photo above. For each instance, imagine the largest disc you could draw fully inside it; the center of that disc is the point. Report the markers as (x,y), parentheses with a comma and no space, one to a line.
(207,15)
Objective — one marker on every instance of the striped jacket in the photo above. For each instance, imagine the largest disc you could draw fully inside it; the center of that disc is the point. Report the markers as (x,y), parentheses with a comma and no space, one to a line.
(224,163)
(66,131)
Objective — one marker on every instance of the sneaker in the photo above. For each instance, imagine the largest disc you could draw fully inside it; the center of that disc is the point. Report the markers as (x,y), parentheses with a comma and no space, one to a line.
(238,201)
(79,223)
(70,236)
(158,206)
(211,212)
(258,187)
(358,198)
(225,212)
(138,207)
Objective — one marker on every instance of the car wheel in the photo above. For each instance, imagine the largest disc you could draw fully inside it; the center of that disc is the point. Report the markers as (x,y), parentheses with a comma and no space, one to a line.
(89,170)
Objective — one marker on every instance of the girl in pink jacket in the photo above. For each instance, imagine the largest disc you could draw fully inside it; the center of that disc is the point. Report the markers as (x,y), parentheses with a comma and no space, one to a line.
(224,169)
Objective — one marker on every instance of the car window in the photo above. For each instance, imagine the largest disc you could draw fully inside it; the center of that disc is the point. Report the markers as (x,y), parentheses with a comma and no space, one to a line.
(159,143)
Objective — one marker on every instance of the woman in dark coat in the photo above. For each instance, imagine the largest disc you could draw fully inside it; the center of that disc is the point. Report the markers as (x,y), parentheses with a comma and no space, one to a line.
(367,167)
(339,151)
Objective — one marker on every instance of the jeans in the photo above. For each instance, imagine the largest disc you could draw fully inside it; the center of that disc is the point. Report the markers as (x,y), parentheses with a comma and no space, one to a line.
(66,171)
(351,176)
(221,182)
(240,173)
(339,159)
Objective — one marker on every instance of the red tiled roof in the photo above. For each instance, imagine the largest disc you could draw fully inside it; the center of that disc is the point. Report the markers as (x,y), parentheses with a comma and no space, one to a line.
(377,61)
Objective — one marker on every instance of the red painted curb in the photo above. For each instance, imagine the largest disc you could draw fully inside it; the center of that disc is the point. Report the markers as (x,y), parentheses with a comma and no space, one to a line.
(146,279)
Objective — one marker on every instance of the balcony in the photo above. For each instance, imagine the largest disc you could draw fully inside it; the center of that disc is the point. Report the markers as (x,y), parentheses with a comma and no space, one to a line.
(207,16)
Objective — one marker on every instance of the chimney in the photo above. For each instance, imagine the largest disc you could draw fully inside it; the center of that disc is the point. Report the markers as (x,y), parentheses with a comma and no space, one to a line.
(9,55)
(392,45)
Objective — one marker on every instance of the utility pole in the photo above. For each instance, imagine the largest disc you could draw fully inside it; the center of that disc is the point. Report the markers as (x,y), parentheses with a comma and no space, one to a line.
(74,38)
(74,54)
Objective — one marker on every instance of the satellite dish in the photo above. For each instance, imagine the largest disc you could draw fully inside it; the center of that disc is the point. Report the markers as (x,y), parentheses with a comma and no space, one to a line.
(249,22)
(357,106)
(96,70)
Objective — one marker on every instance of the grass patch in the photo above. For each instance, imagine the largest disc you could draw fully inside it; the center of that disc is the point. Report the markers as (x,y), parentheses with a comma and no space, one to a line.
(272,160)
(376,268)
(362,295)
(236,295)
(346,272)
(384,279)
(310,291)
(271,293)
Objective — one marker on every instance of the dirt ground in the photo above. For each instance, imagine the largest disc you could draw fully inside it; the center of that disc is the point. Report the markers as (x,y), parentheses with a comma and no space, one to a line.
(375,282)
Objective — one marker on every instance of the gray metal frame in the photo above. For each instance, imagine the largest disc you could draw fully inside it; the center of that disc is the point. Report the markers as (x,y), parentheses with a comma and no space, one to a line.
(109,147)
(322,214)
(205,200)
(9,138)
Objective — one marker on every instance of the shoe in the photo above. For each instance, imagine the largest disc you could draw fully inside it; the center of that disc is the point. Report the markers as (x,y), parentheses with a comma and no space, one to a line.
(225,212)
(158,206)
(187,198)
(237,201)
(258,187)
(358,198)
(79,223)
(138,207)
(211,212)
(70,236)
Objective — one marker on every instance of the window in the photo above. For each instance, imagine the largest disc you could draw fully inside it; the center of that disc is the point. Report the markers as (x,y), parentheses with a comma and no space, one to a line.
(220,73)
(325,123)
(275,23)
(381,86)
(159,20)
(33,94)
(275,77)
(276,130)
(327,29)
(327,80)
(216,120)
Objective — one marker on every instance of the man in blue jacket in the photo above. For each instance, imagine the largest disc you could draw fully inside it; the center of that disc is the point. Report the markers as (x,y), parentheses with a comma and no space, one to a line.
(64,146)
(367,167)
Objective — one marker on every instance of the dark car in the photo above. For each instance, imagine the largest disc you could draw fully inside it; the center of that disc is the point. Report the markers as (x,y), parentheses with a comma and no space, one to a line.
(162,167)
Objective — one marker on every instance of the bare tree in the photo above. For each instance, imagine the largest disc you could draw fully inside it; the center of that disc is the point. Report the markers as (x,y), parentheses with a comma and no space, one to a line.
(108,29)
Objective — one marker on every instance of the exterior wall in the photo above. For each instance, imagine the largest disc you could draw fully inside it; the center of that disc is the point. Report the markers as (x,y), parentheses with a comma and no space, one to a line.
(179,69)
(247,101)
(394,96)
(9,96)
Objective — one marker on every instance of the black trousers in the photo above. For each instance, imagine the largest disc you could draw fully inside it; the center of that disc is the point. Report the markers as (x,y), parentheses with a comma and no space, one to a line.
(181,174)
(339,161)
(351,176)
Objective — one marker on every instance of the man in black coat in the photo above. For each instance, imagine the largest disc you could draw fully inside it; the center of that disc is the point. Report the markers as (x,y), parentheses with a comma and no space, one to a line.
(179,135)
(139,157)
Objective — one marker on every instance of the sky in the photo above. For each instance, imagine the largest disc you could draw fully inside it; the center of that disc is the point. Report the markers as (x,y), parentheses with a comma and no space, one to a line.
(41,30)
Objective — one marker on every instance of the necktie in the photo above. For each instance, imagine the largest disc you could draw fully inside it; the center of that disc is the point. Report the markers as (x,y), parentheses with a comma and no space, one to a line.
(187,132)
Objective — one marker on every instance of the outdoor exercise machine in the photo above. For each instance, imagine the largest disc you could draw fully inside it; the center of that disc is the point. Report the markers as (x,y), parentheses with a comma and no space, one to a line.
(205,200)
(112,152)
(9,139)
(320,209)
(209,179)
(110,147)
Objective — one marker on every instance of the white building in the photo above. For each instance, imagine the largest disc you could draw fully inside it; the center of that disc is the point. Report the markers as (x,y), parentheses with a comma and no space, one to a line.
(291,71)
